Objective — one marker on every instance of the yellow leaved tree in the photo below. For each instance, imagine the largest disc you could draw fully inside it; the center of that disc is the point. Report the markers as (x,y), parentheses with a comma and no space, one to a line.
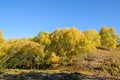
(108,37)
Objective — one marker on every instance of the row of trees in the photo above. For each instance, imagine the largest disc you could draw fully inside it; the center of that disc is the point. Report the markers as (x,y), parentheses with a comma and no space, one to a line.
(53,49)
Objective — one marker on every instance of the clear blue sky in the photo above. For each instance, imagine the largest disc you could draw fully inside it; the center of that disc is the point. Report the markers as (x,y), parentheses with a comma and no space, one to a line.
(25,18)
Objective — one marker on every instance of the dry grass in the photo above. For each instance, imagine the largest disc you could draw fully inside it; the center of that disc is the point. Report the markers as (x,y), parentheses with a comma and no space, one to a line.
(86,64)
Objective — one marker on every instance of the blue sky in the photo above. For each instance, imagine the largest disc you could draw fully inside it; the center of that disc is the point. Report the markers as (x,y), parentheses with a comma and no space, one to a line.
(25,18)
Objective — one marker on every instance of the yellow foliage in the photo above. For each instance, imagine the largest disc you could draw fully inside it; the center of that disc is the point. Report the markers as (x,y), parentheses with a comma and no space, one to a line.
(54,58)
(2,40)
(108,37)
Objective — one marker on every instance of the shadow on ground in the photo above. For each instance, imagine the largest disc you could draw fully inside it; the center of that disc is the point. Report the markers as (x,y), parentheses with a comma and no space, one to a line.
(56,76)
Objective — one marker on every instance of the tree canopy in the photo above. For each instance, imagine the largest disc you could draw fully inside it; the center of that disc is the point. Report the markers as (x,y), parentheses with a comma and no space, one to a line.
(108,37)
(57,47)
